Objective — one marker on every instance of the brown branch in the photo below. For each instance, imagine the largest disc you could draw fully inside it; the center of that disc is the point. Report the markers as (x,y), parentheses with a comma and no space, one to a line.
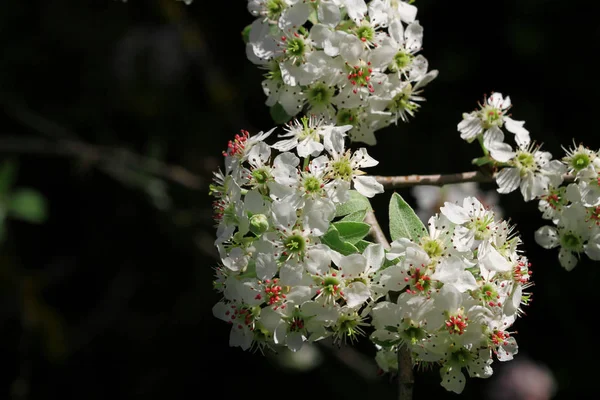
(406,378)
(399,182)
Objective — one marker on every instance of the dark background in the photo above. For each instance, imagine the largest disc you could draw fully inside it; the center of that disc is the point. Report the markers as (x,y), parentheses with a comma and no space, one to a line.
(104,103)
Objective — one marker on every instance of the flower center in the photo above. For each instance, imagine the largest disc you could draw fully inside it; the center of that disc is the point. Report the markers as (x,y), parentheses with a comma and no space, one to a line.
(525,161)
(461,357)
(294,245)
(261,176)
(347,116)
(401,101)
(571,242)
(365,33)
(488,294)
(360,75)
(433,248)
(456,324)
(401,60)
(295,47)
(320,95)
(342,169)
(274,8)
(348,326)
(580,161)
(481,226)
(312,184)
(491,117)
(414,333)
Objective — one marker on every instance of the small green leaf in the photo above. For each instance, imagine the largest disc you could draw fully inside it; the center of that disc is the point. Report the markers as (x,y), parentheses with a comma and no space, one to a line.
(404,223)
(351,231)
(356,202)
(335,242)
(246,33)
(356,216)
(27,205)
(278,114)
(482,161)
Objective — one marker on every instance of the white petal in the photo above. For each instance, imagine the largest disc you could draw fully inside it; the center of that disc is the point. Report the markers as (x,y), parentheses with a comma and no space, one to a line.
(547,237)
(367,185)
(328,14)
(508,180)
(455,213)
(567,259)
(356,294)
(521,134)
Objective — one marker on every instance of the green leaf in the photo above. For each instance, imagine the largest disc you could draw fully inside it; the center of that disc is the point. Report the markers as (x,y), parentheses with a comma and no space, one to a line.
(404,223)
(246,34)
(278,114)
(361,245)
(482,161)
(335,242)
(356,216)
(27,205)
(351,231)
(356,202)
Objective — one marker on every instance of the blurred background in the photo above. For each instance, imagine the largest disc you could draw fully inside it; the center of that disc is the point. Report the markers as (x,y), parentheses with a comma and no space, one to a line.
(114,115)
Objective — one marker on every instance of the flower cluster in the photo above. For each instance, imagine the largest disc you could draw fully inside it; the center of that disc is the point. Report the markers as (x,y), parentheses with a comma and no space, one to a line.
(352,62)
(574,209)
(281,280)
(462,287)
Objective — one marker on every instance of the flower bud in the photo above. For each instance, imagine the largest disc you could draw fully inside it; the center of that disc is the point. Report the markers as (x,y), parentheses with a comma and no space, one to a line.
(259,224)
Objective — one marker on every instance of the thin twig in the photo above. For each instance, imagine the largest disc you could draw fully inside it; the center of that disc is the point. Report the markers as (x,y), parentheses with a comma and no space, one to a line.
(406,378)
(104,155)
(399,182)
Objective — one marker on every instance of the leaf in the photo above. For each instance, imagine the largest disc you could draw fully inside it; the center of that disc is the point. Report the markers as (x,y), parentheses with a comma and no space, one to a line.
(8,174)
(278,114)
(246,33)
(404,223)
(351,231)
(334,241)
(356,216)
(356,202)
(481,161)
(361,245)
(28,205)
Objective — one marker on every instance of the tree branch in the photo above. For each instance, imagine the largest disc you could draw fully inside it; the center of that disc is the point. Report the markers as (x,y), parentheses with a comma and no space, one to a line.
(103,155)
(399,182)
(406,378)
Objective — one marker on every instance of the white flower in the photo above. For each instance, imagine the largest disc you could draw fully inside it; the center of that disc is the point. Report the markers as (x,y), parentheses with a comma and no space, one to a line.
(531,170)
(492,113)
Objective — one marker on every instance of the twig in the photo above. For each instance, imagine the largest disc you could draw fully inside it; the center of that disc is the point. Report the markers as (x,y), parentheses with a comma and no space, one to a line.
(399,182)
(406,378)
(93,154)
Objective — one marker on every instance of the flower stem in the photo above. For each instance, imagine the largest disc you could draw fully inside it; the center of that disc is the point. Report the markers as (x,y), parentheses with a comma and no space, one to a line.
(405,367)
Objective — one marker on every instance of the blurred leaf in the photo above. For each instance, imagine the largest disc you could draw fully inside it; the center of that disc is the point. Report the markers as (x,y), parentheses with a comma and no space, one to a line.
(404,223)
(8,174)
(27,205)
(246,34)
(278,114)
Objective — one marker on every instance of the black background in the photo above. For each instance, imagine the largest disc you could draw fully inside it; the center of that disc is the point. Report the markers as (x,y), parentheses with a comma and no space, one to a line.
(112,296)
